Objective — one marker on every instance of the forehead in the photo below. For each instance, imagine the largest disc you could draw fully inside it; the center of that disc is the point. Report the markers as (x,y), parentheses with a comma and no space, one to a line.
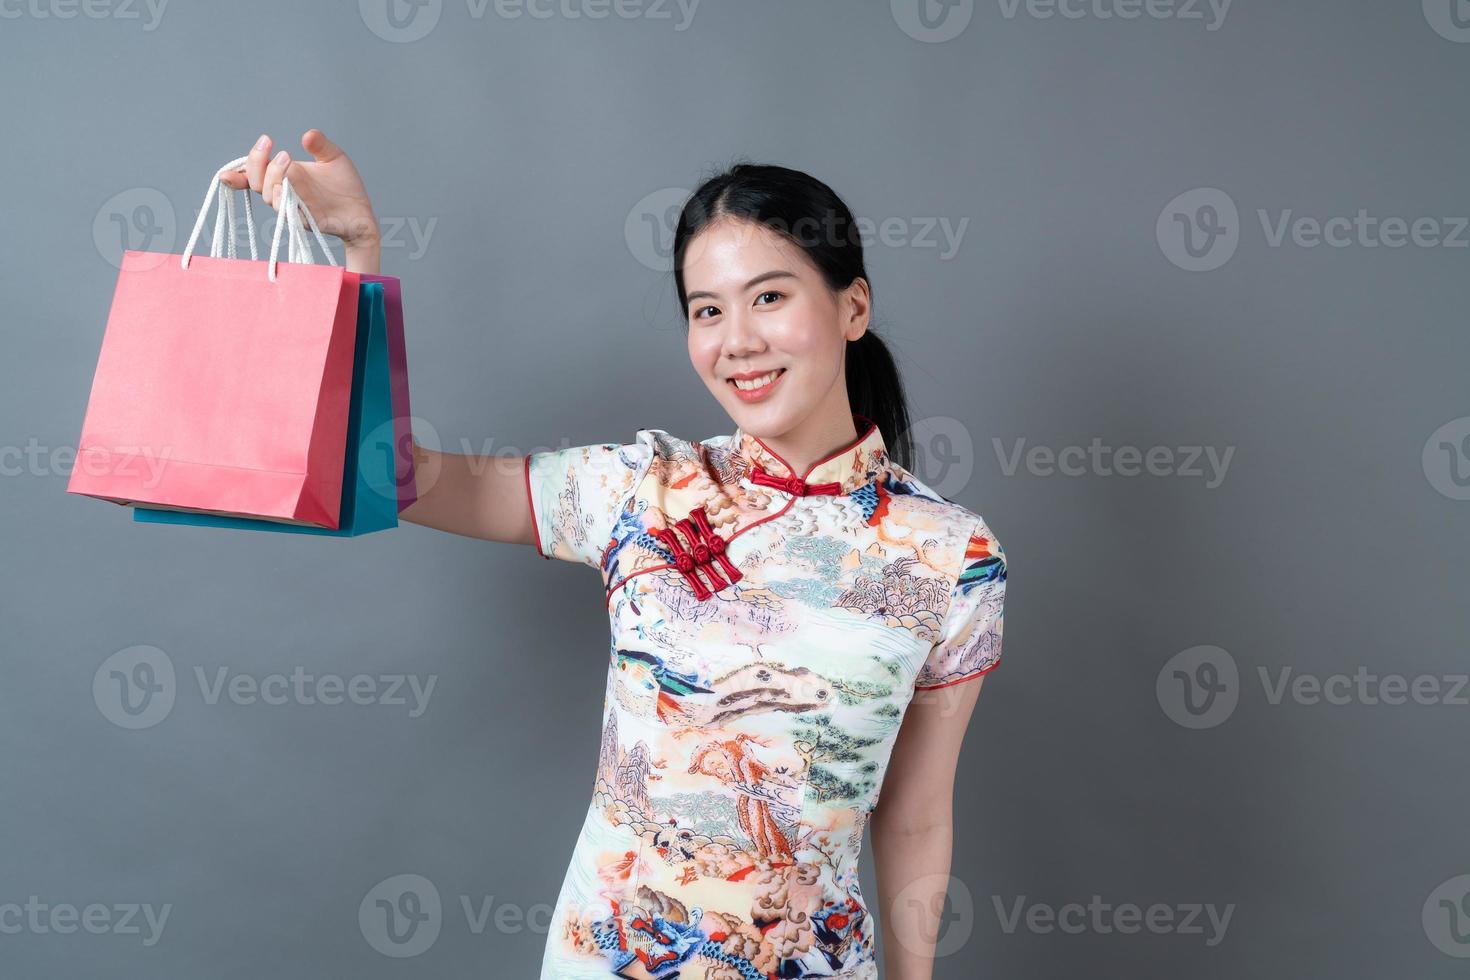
(729,251)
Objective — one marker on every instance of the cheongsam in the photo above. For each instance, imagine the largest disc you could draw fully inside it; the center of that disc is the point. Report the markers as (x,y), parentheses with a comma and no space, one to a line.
(768,630)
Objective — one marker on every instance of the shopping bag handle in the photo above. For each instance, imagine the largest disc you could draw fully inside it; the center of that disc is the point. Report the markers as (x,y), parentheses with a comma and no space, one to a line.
(298,246)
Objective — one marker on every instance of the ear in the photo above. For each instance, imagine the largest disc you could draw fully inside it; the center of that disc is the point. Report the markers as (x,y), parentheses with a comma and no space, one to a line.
(856,307)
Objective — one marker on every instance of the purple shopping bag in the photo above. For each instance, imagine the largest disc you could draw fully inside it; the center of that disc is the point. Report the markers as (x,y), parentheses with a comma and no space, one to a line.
(402,448)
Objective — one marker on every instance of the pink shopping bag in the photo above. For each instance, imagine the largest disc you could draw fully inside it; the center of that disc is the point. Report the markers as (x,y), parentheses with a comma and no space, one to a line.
(223,384)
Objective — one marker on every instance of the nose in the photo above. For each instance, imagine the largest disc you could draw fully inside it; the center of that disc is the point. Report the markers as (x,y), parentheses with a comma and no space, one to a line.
(741,336)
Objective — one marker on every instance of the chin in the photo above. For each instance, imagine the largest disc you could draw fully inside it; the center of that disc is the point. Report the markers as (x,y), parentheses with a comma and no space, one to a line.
(765,421)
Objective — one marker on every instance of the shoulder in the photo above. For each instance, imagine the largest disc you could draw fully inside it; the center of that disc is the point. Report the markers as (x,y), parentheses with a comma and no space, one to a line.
(964,533)
(666,456)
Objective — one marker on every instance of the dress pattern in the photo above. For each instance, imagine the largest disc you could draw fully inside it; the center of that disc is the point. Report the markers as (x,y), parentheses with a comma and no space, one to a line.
(768,631)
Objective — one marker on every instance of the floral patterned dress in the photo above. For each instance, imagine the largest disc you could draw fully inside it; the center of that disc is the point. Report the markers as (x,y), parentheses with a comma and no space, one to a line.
(769,629)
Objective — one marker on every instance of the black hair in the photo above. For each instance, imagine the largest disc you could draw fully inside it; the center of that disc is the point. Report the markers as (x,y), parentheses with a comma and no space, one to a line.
(811,215)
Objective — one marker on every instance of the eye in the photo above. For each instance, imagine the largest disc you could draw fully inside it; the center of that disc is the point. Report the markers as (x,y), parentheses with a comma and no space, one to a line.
(771,292)
(702,309)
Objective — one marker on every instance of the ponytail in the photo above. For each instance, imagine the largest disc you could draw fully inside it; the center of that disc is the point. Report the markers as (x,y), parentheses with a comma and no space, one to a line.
(875,390)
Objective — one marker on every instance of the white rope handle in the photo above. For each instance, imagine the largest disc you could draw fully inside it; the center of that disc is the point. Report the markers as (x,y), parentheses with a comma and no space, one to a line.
(226,209)
(298,247)
(225,212)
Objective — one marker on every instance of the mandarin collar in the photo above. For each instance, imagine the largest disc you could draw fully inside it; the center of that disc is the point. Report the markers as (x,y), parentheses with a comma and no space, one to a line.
(852,467)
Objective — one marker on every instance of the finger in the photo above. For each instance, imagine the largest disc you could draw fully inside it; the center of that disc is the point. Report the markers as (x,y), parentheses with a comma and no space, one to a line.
(255,163)
(315,142)
(274,173)
(234,179)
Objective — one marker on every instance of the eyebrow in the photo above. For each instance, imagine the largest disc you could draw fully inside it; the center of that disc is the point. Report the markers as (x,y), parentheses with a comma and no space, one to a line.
(773,274)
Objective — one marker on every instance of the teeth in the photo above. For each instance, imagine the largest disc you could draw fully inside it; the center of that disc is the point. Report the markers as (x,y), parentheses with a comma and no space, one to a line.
(755,383)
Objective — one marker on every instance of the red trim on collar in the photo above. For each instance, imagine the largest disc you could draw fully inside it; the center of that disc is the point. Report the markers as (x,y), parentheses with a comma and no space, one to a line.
(613,587)
(791,470)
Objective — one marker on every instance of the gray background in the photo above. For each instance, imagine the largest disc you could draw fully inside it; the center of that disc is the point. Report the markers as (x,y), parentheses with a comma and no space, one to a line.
(1334,543)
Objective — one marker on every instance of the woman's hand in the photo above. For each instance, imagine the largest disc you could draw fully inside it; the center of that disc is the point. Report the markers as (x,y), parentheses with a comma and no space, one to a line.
(328,185)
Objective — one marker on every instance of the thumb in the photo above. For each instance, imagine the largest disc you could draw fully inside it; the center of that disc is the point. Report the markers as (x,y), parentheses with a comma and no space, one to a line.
(322,149)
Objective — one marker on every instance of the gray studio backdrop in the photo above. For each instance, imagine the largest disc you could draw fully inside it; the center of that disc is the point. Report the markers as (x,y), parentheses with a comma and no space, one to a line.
(1179,290)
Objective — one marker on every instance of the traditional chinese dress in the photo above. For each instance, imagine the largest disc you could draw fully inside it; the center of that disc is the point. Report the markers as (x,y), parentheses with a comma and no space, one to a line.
(769,629)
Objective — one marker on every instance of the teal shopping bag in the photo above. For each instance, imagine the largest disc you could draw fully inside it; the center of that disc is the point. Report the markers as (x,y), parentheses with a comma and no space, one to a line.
(369,485)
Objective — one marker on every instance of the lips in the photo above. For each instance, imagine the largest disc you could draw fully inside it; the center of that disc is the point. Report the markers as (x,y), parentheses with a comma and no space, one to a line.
(757,386)
(754,382)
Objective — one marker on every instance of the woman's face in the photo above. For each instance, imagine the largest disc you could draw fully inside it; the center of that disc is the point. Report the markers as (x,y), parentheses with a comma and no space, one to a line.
(758,307)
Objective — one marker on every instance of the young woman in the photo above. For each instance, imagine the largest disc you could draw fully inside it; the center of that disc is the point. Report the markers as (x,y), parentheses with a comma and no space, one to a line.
(783,601)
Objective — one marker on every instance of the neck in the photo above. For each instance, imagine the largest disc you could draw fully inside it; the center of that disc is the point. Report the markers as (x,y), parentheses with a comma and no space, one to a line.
(816,438)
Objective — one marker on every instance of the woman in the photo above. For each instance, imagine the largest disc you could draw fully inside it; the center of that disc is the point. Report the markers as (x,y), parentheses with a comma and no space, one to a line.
(781,600)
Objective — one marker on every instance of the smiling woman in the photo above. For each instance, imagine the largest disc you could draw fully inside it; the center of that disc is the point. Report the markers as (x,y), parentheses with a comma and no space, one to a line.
(796,619)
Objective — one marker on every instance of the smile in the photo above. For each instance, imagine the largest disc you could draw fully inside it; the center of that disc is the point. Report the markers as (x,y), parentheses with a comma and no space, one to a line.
(759,387)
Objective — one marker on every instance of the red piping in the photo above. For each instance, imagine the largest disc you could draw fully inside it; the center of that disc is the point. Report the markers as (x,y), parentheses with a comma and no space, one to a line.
(957,680)
(531,503)
(825,459)
(793,485)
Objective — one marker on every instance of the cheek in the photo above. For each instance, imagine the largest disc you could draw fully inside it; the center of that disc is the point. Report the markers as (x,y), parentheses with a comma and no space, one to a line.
(811,340)
(704,353)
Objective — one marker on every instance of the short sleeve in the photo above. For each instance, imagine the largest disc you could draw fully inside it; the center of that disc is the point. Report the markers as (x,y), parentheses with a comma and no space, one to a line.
(578,494)
(969,643)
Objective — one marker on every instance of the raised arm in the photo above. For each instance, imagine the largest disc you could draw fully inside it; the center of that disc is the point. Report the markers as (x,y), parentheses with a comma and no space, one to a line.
(478,496)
